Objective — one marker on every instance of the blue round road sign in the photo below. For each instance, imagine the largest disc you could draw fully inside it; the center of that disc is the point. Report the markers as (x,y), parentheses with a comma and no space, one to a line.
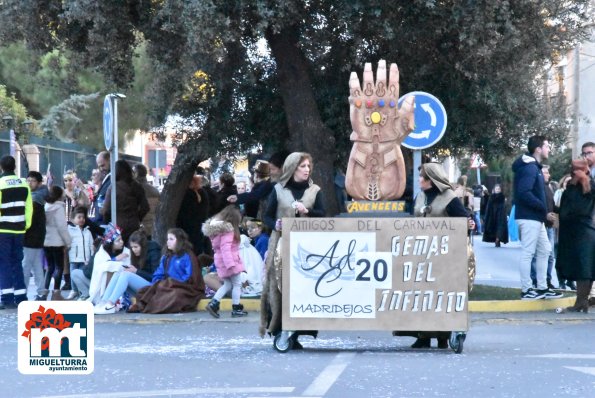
(108,123)
(430,121)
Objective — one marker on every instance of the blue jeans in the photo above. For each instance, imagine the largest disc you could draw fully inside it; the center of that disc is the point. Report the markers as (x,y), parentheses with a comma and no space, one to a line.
(477,220)
(120,283)
(12,279)
(551,234)
(74,266)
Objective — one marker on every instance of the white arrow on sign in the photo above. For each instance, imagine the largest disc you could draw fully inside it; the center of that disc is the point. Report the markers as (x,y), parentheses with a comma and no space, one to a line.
(426,107)
(423,134)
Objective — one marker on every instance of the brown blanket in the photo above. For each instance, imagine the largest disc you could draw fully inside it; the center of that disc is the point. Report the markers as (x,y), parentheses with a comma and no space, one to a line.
(170,296)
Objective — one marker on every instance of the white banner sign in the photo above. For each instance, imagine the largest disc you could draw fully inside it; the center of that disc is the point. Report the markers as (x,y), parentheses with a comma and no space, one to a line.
(383,273)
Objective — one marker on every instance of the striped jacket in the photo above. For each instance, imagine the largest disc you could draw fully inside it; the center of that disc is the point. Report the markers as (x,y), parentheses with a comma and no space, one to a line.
(16,206)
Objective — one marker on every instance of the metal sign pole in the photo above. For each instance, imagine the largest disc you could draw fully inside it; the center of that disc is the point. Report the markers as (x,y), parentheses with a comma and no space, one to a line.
(416,165)
(114,158)
(114,154)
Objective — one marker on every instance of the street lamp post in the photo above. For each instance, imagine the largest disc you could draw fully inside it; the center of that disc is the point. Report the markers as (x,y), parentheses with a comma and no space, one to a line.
(25,130)
(8,122)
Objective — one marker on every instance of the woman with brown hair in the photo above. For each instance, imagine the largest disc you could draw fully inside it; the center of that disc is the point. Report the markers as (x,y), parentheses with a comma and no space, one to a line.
(177,284)
(144,260)
(576,247)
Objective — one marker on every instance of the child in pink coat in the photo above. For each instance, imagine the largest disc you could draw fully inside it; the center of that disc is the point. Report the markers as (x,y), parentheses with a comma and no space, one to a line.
(224,232)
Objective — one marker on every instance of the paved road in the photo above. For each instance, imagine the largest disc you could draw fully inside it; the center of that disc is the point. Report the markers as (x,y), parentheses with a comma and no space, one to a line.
(506,355)
(498,266)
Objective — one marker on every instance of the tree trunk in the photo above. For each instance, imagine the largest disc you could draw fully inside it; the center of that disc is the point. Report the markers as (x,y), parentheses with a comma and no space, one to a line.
(306,130)
(189,156)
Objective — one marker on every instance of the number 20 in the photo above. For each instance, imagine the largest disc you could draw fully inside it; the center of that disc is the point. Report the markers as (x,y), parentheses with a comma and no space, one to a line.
(379,265)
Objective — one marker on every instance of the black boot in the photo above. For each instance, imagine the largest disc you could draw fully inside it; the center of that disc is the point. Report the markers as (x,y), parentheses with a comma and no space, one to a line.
(67,285)
(213,308)
(583,288)
(238,311)
(421,342)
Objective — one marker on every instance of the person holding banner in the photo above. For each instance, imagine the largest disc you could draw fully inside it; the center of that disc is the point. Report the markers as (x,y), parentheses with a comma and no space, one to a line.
(436,199)
(295,195)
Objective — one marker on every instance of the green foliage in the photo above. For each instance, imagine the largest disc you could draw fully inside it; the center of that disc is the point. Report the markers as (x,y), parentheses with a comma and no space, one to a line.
(560,162)
(10,106)
(46,82)
(484,59)
(62,119)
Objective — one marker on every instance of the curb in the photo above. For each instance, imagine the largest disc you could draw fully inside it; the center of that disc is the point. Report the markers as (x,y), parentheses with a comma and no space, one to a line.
(520,305)
(253,304)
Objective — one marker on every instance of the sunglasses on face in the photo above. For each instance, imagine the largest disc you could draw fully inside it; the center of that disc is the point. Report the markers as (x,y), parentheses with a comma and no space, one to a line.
(67,179)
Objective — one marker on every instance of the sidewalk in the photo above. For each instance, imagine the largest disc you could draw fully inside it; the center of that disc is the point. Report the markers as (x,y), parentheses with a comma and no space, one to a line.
(540,317)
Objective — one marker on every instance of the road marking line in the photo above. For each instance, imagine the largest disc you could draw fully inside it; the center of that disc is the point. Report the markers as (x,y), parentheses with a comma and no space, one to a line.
(184,391)
(564,356)
(583,369)
(329,375)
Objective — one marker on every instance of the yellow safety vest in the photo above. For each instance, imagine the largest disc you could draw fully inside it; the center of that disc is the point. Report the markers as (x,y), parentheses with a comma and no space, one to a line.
(16,206)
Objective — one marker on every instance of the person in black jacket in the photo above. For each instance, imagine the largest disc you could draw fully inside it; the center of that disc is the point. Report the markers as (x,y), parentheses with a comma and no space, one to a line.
(104,166)
(576,249)
(496,222)
(255,201)
(34,237)
(194,211)
(131,202)
(227,188)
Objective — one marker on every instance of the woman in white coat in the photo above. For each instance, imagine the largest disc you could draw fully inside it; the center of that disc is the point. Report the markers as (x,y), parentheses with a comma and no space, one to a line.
(112,256)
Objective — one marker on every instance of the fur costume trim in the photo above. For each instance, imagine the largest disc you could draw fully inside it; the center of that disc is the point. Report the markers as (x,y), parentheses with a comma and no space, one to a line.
(213,227)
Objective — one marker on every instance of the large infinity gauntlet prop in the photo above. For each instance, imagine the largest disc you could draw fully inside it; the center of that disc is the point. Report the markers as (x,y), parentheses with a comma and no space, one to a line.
(376,169)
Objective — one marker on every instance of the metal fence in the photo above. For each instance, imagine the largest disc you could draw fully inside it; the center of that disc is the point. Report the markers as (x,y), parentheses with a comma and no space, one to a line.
(60,156)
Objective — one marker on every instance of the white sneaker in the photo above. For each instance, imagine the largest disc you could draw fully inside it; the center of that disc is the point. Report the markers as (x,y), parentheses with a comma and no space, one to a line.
(72,295)
(105,309)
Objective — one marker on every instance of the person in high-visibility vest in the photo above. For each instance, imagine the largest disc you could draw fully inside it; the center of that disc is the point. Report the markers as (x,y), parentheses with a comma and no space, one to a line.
(16,212)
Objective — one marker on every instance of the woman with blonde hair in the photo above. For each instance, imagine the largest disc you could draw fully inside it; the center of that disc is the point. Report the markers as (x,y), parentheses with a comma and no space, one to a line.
(295,195)
(75,194)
